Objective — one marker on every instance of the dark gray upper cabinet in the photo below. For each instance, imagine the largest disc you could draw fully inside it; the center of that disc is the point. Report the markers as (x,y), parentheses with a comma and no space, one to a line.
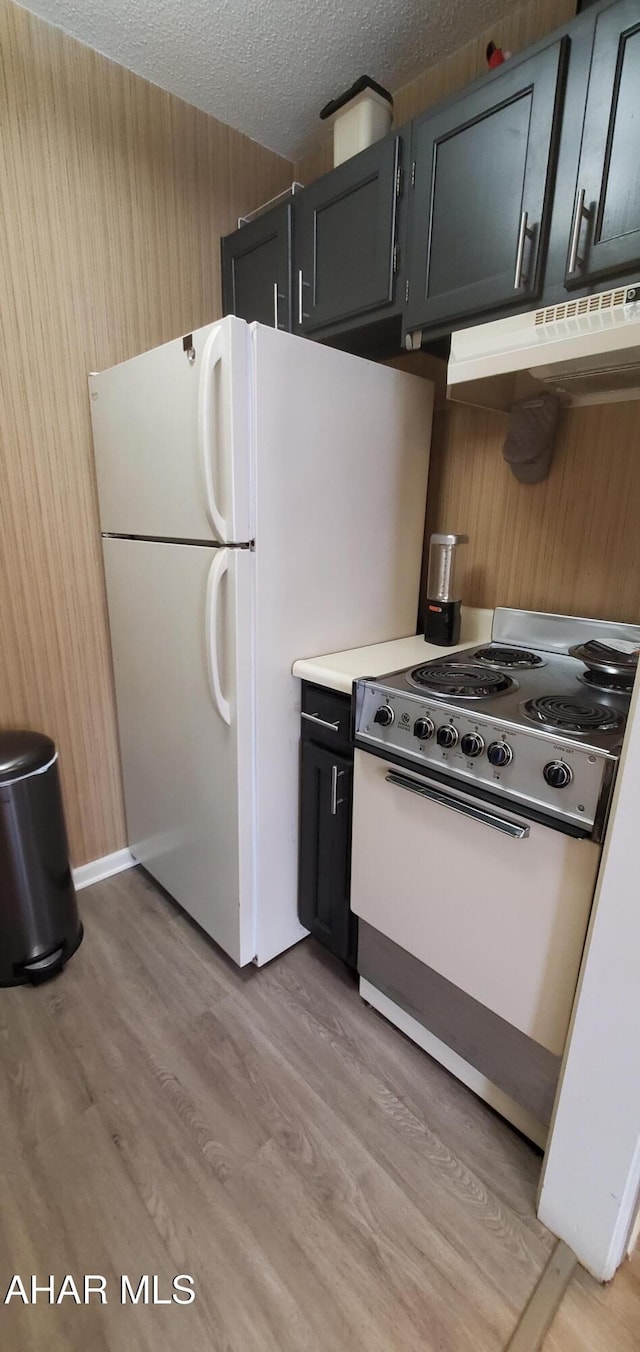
(256,269)
(604,239)
(345,240)
(483,179)
(518,191)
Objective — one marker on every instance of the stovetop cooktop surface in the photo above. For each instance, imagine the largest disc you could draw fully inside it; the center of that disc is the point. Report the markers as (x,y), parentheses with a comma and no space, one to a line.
(547,694)
(519,718)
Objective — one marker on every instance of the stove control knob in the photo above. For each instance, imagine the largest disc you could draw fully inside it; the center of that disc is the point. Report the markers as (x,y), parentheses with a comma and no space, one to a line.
(384,716)
(472,745)
(500,754)
(423,728)
(447,736)
(558,775)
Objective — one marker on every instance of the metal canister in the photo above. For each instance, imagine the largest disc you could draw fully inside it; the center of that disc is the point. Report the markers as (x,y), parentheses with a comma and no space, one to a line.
(442,615)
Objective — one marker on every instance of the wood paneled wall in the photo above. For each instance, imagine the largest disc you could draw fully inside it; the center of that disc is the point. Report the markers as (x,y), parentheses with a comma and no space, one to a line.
(114,196)
(524,24)
(570,544)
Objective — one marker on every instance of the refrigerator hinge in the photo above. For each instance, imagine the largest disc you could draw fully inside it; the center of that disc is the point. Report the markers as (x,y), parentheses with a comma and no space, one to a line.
(395,259)
(187,346)
(413,174)
(399,181)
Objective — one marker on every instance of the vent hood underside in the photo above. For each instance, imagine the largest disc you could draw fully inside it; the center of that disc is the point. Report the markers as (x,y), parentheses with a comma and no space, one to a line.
(586,349)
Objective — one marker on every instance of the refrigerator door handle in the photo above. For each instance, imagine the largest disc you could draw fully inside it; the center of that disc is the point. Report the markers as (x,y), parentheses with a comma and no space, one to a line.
(212,357)
(217,571)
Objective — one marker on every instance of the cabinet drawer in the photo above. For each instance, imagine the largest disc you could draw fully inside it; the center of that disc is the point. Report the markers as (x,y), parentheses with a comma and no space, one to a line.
(326,715)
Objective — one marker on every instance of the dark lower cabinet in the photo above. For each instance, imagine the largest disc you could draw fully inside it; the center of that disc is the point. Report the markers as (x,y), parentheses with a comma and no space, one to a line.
(345,244)
(604,240)
(326,779)
(256,269)
(483,171)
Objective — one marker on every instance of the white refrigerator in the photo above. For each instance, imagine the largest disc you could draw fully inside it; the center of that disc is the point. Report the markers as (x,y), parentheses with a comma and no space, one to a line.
(261,499)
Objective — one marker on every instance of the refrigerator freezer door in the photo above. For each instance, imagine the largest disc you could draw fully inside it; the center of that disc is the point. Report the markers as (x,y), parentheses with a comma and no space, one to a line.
(172,438)
(182,638)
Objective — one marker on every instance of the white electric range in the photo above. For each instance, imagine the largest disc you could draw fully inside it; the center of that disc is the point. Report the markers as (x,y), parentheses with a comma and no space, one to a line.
(482,785)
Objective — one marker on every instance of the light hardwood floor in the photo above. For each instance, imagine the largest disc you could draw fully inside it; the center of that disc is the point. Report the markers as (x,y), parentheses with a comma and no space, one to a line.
(328,1186)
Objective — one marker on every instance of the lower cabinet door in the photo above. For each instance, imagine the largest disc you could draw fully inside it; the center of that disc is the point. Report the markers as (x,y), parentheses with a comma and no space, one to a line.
(325,849)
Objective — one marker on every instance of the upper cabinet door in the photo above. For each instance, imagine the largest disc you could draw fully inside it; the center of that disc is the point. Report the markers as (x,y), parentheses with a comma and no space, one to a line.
(345,238)
(605,233)
(256,269)
(483,179)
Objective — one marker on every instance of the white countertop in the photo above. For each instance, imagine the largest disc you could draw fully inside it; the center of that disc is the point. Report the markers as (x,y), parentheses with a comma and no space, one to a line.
(337,671)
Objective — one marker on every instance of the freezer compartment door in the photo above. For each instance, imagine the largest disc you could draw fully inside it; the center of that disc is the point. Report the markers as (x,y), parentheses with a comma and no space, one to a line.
(172,439)
(181,628)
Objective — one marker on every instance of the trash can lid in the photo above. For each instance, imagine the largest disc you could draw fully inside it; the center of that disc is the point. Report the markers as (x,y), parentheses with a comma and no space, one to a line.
(22,753)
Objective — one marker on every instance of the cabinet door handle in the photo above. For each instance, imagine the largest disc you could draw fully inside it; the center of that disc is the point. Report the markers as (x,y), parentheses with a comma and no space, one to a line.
(275,305)
(524,234)
(336,774)
(579,214)
(323,722)
(300,285)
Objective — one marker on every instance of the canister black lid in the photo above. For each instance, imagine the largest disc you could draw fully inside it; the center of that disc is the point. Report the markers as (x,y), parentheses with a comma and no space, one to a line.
(22,753)
(364,82)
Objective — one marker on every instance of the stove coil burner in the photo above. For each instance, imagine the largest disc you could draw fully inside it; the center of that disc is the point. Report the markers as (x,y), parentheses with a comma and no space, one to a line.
(458,682)
(566,715)
(598,680)
(497,656)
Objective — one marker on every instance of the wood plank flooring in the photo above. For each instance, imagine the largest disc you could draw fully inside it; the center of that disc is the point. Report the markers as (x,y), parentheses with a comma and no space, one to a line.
(329,1187)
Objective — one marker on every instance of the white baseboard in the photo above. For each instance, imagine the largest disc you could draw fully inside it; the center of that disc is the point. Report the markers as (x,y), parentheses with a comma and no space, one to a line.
(105,867)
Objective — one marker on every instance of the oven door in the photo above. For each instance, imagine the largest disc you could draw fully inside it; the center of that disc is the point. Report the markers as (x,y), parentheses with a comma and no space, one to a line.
(496,904)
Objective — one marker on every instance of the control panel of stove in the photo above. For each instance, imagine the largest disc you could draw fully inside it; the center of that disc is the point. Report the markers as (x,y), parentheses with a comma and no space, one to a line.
(553,774)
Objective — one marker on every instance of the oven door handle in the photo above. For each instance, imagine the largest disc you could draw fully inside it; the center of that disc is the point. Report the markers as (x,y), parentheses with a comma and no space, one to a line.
(479,814)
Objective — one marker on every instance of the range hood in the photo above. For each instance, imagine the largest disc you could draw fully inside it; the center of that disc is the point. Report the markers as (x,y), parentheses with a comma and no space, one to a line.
(588,349)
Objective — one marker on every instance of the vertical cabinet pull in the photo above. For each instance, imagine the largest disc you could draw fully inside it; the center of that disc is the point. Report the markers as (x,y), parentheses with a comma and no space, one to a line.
(336,774)
(302,313)
(525,232)
(579,214)
(275,305)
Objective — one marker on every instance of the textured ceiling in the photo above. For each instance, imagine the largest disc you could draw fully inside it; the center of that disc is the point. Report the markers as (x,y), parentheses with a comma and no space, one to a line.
(268,66)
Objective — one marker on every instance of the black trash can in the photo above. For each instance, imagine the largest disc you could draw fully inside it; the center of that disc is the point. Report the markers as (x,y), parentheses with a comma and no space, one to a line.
(39,922)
